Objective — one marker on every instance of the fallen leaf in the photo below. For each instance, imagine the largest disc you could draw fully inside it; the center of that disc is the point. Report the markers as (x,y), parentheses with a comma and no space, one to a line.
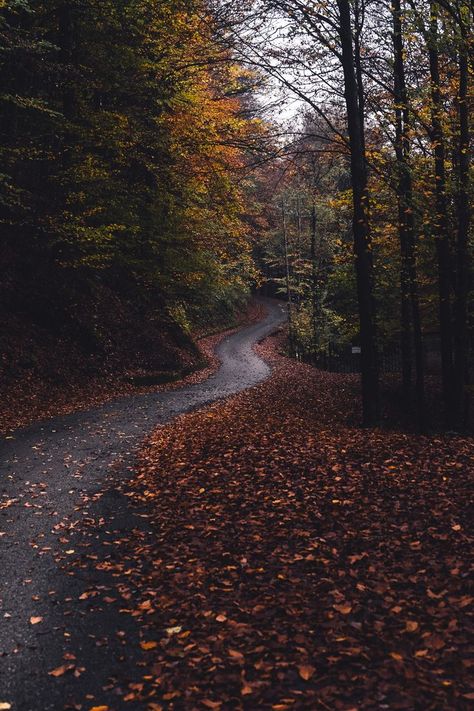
(35,620)
(306,671)
(421,653)
(148,645)
(174,630)
(236,655)
(396,656)
(59,671)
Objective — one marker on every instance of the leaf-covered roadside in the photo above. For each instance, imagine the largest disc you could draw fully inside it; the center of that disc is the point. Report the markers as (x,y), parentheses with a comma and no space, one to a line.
(33,400)
(301,563)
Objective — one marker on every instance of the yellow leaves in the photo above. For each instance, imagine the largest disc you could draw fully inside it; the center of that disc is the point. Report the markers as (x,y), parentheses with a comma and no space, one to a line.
(306,671)
(4,706)
(174,630)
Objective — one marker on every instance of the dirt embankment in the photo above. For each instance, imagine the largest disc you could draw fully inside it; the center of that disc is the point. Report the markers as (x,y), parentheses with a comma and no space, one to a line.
(68,342)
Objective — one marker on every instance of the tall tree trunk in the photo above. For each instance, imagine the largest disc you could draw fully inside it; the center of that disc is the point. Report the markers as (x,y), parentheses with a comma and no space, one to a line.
(289,298)
(362,242)
(441,228)
(314,276)
(299,247)
(66,27)
(462,250)
(358,24)
(410,308)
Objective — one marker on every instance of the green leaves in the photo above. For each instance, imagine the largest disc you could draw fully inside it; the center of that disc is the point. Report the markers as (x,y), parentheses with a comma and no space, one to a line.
(123,151)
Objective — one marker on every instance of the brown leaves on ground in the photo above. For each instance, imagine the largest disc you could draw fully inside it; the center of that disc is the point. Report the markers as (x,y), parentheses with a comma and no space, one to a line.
(31,399)
(307,564)
(60,671)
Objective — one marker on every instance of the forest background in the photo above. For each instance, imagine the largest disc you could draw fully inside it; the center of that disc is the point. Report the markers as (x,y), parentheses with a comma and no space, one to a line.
(148,185)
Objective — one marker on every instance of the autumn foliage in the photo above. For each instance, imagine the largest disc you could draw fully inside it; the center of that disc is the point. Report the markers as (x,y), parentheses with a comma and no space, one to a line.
(123,136)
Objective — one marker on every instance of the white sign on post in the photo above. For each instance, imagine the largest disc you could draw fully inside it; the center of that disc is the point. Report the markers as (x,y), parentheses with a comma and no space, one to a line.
(356,349)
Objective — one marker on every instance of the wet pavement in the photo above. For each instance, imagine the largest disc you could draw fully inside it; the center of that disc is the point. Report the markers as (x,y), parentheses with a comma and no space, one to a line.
(51,478)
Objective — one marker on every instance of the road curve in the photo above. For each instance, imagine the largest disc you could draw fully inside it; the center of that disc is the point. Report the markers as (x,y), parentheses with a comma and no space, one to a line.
(50,478)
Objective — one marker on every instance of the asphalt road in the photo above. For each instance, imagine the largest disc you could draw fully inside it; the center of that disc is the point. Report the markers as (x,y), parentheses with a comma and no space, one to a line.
(55,475)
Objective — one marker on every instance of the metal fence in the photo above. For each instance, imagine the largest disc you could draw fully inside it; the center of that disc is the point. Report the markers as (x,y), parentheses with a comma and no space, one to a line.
(336,359)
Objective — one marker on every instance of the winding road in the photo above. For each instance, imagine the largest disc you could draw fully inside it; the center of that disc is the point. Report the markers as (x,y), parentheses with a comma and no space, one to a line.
(52,475)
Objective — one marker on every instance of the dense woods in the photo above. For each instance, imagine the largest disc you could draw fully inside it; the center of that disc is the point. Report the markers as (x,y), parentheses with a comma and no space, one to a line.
(125,132)
(381,160)
(140,162)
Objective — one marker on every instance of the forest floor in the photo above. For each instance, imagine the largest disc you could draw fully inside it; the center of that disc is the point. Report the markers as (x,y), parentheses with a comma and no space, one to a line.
(301,562)
(266,553)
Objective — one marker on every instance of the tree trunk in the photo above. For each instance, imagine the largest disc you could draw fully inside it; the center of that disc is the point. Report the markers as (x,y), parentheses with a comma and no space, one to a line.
(410,308)
(358,22)
(462,251)
(67,45)
(289,301)
(362,243)
(441,229)
(314,277)
(299,247)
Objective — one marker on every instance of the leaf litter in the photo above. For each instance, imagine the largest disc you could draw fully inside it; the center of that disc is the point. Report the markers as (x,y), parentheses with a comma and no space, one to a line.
(296,561)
